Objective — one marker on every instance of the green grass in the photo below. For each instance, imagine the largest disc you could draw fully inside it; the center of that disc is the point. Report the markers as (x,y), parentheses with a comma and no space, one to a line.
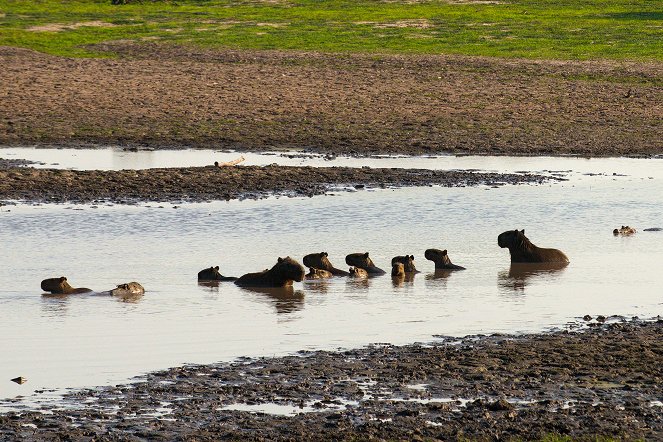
(543,29)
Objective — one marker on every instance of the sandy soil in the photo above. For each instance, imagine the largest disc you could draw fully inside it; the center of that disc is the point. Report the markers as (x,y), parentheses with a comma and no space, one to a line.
(167,96)
(214,183)
(603,382)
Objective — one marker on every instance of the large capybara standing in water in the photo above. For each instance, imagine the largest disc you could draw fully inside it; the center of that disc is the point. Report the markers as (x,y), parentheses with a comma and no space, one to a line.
(285,271)
(523,251)
(321,261)
(407,261)
(441,260)
(362,261)
(212,274)
(60,286)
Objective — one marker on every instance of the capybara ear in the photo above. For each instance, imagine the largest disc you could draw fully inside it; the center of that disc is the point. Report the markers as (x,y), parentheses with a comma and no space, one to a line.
(280,259)
(412,257)
(216,268)
(325,253)
(444,252)
(366,255)
(63,279)
(522,231)
(216,163)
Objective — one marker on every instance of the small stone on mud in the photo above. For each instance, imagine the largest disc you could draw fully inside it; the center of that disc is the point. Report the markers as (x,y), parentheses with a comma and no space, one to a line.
(587,318)
(20,380)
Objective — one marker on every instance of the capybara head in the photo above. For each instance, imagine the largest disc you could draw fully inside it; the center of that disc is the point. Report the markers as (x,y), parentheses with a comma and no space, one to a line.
(625,230)
(437,256)
(407,261)
(210,274)
(318,261)
(288,268)
(359,260)
(129,288)
(398,270)
(357,272)
(56,285)
(314,273)
(511,238)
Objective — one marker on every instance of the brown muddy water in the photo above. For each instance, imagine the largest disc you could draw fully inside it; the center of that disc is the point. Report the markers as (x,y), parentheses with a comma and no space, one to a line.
(86,340)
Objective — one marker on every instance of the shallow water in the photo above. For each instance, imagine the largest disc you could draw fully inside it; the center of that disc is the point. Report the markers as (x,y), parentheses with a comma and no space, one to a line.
(86,340)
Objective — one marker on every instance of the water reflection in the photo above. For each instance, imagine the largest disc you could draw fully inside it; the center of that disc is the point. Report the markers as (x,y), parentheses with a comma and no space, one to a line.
(284,299)
(520,275)
(400,280)
(210,286)
(317,286)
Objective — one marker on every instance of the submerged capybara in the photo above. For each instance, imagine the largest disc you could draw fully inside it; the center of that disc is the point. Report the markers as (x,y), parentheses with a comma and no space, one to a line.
(356,272)
(441,260)
(314,273)
(398,270)
(407,261)
(60,286)
(321,261)
(212,274)
(362,261)
(522,250)
(128,289)
(285,271)
(624,231)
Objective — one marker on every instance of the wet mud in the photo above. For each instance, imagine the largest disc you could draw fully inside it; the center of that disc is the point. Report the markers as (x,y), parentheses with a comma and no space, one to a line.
(162,96)
(601,381)
(193,184)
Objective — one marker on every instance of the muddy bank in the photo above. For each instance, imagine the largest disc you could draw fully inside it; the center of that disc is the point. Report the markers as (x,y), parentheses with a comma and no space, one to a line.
(175,96)
(193,184)
(604,381)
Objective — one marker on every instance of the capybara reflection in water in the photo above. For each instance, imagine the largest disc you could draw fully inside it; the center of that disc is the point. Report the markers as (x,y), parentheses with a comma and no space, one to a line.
(362,261)
(407,261)
(522,250)
(624,231)
(285,271)
(317,274)
(212,274)
(321,261)
(60,286)
(441,260)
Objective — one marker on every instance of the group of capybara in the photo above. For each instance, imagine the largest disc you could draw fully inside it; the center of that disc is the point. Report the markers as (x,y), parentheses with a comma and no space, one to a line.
(287,270)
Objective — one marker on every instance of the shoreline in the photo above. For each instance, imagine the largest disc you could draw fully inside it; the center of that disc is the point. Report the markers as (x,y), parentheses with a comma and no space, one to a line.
(353,104)
(198,184)
(601,381)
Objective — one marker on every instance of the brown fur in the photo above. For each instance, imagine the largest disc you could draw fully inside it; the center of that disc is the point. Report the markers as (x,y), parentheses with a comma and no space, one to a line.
(624,231)
(317,274)
(60,286)
(321,261)
(362,261)
(522,250)
(398,270)
(356,272)
(441,260)
(128,289)
(285,271)
(407,261)
(212,274)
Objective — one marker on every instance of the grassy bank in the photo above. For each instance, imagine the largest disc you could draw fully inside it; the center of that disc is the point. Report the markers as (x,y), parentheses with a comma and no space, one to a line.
(548,29)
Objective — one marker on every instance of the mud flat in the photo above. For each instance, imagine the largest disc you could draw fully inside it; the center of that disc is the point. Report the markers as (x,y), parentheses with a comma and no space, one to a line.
(213,183)
(162,95)
(604,381)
